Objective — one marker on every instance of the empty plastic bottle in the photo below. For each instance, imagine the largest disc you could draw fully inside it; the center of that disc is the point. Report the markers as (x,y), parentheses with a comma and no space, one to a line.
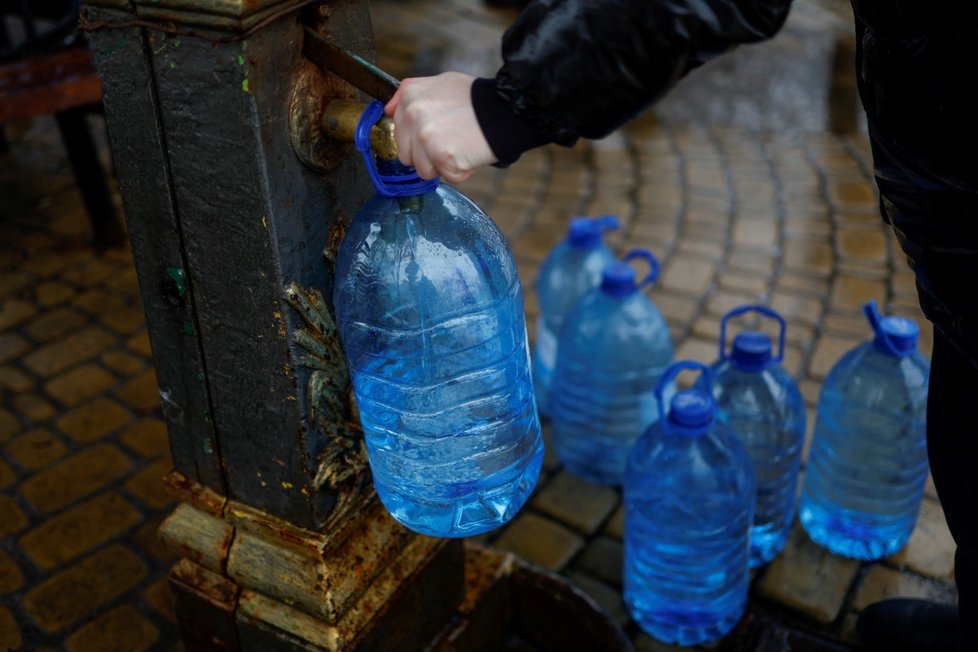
(613,348)
(569,272)
(868,461)
(689,502)
(430,310)
(761,404)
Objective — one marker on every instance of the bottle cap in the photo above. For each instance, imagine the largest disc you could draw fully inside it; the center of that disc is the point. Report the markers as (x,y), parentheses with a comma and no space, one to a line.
(586,232)
(618,279)
(894,335)
(751,351)
(691,411)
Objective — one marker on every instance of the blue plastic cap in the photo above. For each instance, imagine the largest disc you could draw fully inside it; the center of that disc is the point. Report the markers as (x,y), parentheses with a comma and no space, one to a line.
(586,232)
(751,351)
(897,336)
(692,411)
(618,280)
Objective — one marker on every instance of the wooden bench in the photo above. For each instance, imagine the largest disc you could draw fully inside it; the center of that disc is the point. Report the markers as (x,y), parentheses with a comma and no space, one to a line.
(64,83)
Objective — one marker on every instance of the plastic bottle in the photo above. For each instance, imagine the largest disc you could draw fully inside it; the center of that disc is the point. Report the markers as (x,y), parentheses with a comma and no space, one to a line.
(868,461)
(430,310)
(689,502)
(613,348)
(761,404)
(569,272)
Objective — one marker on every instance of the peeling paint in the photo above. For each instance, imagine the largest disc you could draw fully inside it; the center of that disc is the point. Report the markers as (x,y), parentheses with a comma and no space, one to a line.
(287,485)
(244,86)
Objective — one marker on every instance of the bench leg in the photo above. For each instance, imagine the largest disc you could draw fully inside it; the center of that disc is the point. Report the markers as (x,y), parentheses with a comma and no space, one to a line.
(91,179)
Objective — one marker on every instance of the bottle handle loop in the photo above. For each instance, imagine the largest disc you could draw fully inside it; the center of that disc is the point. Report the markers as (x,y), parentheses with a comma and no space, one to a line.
(670,375)
(648,257)
(387,185)
(764,310)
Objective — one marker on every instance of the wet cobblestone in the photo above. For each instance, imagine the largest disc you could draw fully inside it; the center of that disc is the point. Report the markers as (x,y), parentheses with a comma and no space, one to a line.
(751,182)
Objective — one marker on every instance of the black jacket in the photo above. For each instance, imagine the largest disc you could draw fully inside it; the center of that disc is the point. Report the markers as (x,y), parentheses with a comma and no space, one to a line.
(582,68)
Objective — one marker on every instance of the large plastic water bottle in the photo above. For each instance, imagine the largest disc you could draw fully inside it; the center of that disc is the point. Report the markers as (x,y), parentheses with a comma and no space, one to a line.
(569,272)
(868,461)
(689,502)
(430,310)
(761,404)
(613,348)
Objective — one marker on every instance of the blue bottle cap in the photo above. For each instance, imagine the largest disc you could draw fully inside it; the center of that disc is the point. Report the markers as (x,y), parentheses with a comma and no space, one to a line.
(897,336)
(751,351)
(691,412)
(618,279)
(586,232)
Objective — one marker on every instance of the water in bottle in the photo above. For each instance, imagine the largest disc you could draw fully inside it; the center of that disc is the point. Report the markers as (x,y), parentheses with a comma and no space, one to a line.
(613,348)
(761,404)
(689,501)
(569,271)
(430,310)
(868,461)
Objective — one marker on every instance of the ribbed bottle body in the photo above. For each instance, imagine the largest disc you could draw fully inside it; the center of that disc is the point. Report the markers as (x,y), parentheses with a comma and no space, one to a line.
(613,350)
(688,514)
(766,412)
(431,311)
(567,274)
(867,466)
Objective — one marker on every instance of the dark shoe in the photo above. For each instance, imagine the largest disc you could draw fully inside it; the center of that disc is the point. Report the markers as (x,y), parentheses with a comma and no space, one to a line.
(905,625)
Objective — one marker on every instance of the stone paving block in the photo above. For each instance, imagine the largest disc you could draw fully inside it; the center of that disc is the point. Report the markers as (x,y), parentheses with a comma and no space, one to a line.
(582,505)
(603,559)
(79,384)
(75,478)
(93,421)
(12,346)
(815,258)
(12,282)
(540,541)
(536,244)
(676,308)
(615,526)
(15,380)
(796,308)
(58,356)
(723,302)
(802,284)
(122,363)
(850,293)
(141,392)
(147,438)
(14,312)
(706,328)
(7,476)
(11,577)
(744,283)
(755,233)
(698,349)
(607,598)
(847,325)
(550,459)
(828,350)
(12,519)
(52,294)
(36,449)
(10,425)
(139,343)
(709,249)
(687,275)
(10,636)
(91,273)
(122,628)
(808,578)
(99,302)
(124,321)
(745,259)
(811,390)
(147,538)
(72,594)
(930,550)
(147,485)
(46,265)
(881,583)
(862,245)
(33,406)
(55,324)
(79,530)
(159,596)
(849,192)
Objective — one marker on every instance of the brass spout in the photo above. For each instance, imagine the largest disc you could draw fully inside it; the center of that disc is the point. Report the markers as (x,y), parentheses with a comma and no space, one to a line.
(340,119)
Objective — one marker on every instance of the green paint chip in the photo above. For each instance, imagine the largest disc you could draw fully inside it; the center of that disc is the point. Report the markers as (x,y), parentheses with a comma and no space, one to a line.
(244,86)
(240,60)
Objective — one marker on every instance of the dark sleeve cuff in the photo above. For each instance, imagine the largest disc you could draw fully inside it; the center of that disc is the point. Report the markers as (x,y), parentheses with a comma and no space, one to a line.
(508,136)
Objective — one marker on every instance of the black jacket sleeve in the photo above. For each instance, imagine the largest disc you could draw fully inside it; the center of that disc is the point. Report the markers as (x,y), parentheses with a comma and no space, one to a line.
(574,68)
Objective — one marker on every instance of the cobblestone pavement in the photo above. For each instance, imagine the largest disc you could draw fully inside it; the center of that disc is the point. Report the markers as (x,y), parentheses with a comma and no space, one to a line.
(751,183)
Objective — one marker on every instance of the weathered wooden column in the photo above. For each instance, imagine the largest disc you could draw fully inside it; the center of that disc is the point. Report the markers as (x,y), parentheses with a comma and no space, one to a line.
(284,544)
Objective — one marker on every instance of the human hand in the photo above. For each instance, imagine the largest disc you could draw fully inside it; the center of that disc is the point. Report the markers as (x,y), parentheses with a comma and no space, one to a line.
(436,129)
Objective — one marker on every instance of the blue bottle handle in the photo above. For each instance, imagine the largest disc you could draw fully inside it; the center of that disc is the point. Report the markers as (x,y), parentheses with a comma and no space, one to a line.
(406,185)
(764,310)
(674,370)
(648,257)
(875,319)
